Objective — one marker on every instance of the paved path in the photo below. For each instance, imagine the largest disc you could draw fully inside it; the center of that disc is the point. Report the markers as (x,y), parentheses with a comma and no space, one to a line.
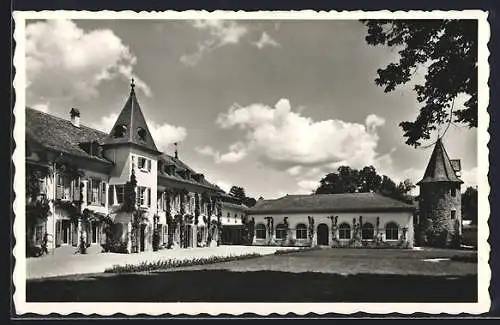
(69,263)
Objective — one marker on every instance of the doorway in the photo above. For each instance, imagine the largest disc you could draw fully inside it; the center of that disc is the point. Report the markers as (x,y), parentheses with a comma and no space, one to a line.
(142,238)
(66,232)
(322,234)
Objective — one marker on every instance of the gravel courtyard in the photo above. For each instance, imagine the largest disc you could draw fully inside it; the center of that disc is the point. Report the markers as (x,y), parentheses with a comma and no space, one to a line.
(64,262)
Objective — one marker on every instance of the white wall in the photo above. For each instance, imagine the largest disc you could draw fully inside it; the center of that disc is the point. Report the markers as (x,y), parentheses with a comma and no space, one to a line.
(403,219)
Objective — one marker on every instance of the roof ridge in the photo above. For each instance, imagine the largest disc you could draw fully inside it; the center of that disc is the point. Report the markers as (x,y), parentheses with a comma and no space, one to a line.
(65,120)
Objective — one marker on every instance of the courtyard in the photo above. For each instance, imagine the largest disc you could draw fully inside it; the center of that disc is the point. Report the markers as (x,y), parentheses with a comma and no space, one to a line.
(323,275)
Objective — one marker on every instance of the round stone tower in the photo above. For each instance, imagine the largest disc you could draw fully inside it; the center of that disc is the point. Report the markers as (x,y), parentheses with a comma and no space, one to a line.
(440,217)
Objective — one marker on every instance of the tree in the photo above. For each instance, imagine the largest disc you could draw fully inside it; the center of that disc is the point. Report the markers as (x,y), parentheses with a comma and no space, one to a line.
(237,191)
(469,204)
(348,180)
(449,50)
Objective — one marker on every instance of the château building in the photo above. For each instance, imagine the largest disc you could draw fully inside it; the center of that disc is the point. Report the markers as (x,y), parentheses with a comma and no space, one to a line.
(79,181)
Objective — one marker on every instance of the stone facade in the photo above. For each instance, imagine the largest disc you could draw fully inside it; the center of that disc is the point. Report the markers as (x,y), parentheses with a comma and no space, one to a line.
(440,213)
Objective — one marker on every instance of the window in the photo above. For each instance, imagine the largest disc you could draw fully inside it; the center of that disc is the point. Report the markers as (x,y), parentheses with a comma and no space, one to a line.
(453,214)
(119,131)
(63,189)
(141,133)
(280,231)
(345,231)
(453,191)
(228,217)
(391,231)
(143,196)
(96,190)
(38,235)
(119,193)
(301,231)
(367,231)
(260,231)
(144,164)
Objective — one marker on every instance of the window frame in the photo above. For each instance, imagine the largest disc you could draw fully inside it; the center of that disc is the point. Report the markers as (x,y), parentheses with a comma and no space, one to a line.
(301,229)
(260,227)
(363,229)
(281,229)
(343,227)
(391,230)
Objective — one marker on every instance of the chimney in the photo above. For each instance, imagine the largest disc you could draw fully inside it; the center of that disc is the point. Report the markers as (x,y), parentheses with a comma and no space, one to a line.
(75,117)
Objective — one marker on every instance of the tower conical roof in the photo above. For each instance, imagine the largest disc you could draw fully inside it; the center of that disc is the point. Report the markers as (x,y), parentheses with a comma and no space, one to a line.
(439,168)
(131,127)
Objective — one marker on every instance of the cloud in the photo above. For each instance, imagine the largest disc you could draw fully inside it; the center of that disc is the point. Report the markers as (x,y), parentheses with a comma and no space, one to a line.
(163,134)
(64,61)
(237,151)
(286,140)
(266,40)
(42,107)
(470,177)
(223,185)
(221,33)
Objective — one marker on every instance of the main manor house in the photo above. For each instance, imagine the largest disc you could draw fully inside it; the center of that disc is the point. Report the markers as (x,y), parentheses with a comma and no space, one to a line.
(118,192)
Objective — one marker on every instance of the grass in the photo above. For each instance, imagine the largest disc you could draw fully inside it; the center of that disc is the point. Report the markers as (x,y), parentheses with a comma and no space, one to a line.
(312,275)
(261,286)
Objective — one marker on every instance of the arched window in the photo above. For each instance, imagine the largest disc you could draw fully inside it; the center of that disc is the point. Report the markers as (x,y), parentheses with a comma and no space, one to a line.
(280,231)
(260,231)
(345,231)
(119,131)
(367,231)
(141,133)
(301,231)
(391,231)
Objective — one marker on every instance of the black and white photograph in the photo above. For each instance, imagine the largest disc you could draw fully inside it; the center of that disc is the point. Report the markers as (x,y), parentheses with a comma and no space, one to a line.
(229,162)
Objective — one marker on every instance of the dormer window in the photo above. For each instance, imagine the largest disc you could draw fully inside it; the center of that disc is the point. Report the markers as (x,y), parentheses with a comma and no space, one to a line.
(144,164)
(141,133)
(119,131)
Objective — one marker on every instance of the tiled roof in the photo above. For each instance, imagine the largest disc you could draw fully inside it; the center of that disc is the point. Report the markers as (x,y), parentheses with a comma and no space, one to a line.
(439,168)
(132,119)
(61,135)
(329,203)
(180,165)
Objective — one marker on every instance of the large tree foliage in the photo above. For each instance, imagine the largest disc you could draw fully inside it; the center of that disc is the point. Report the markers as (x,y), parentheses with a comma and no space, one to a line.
(449,49)
(469,204)
(348,180)
(239,192)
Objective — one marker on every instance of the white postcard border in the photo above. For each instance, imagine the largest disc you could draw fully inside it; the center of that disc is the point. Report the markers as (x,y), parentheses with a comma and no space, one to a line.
(106,309)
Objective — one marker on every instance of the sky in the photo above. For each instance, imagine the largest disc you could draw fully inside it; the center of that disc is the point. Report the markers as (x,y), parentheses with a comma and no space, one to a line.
(271,106)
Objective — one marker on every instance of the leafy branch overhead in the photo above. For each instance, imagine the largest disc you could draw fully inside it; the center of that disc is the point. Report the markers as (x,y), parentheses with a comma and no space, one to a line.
(448,48)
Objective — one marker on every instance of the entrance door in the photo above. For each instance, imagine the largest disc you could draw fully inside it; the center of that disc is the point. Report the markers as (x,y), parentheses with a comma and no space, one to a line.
(322,234)
(66,231)
(95,232)
(143,238)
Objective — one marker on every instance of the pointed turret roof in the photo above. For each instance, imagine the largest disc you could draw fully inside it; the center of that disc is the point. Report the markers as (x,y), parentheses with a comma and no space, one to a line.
(131,127)
(439,168)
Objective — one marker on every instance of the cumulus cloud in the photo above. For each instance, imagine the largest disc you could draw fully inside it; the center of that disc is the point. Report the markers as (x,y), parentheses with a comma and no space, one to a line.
(266,40)
(42,107)
(287,140)
(163,134)
(237,151)
(284,138)
(64,61)
(470,177)
(221,33)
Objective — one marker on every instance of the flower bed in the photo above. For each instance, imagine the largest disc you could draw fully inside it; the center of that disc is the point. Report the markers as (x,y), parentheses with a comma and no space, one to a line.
(174,263)
(288,251)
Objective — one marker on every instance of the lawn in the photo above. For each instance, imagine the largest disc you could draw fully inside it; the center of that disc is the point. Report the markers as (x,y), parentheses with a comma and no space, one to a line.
(327,275)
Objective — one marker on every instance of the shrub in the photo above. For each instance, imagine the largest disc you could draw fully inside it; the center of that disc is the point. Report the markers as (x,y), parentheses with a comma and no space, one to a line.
(174,263)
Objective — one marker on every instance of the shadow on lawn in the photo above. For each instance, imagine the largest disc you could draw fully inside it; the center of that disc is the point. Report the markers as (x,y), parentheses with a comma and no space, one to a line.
(261,286)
